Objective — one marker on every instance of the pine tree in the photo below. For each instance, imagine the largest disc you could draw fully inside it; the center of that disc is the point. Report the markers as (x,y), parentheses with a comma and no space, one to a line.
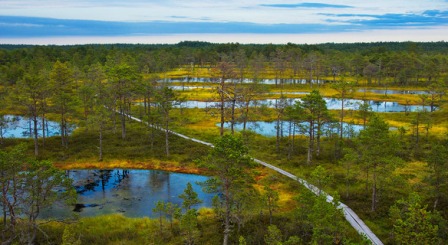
(190,197)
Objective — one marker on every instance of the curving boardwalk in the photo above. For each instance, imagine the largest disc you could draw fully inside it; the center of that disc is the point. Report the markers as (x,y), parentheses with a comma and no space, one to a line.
(349,214)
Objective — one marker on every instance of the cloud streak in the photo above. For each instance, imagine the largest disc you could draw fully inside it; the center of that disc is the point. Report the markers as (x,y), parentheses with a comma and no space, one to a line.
(425,19)
(20,27)
(306,5)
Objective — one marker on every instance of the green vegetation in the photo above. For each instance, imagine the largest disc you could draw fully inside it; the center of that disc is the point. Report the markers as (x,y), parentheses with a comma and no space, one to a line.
(27,187)
(98,88)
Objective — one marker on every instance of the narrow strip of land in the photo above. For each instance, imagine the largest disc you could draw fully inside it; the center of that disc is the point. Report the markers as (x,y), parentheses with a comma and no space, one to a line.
(349,214)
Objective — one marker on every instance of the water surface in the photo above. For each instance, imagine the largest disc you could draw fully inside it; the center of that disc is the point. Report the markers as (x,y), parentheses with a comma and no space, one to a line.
(269,129)
(22,127)
(391,91)
(131,192)
(332,104)
(245,80)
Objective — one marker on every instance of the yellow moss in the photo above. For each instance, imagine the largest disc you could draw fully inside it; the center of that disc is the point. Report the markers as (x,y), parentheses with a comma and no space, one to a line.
(150,164)
(416,171)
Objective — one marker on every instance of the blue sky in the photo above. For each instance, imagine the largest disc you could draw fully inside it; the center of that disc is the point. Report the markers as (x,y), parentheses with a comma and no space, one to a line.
(275,21)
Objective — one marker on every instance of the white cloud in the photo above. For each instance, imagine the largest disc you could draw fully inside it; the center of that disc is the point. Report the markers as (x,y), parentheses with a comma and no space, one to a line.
(20,24)
(251,11)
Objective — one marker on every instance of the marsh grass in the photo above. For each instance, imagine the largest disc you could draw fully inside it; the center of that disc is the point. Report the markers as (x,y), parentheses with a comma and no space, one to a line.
(112,229)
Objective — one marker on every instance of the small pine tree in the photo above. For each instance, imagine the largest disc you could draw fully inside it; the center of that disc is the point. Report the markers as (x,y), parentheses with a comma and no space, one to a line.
(189,197)
(189,226)
(160,210)
(413,223)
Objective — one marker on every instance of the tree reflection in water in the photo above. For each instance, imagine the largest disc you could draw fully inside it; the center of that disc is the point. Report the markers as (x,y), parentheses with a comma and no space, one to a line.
(131,192)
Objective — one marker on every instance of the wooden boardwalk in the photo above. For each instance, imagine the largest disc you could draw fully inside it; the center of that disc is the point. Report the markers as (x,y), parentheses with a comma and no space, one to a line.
(349,214)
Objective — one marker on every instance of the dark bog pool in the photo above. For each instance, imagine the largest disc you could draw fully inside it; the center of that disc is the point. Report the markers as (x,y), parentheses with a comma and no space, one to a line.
(131,192)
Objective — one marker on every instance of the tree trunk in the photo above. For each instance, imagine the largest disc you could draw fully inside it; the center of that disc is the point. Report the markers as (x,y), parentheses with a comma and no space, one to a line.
(367,178)
(123,123)
(417,133)
(374,190)
(30,129)
(221,131)
(233,116)
(310,143)
(167,146)
(246,116)
(4,198)
(36,135)
(342,118)
(43,129)
(277,143)
(319,125)
(227,217)
(101,142)
(145,105)
(62,130)
(293,137)
(311,77)
(289,139)
(66,134)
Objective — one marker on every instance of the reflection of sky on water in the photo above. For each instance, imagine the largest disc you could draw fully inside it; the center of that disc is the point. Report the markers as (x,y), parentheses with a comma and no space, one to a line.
(377,106)
(181,88)
(391,91)
(131,192)
(332,104)
(269,129)
(245,80)
(20,127)
(185,81)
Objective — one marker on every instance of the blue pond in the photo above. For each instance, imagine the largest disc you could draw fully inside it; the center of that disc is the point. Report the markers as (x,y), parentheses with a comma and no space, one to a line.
(246,80)
(269,129)
(21,127)
(332,104)
(131,192)
(391,91)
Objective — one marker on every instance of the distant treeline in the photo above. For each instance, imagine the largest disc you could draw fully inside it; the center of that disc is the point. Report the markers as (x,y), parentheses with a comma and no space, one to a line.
(440,46)
(400,63)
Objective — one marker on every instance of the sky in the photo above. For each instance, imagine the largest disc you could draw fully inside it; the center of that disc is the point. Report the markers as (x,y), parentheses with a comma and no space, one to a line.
(221,21)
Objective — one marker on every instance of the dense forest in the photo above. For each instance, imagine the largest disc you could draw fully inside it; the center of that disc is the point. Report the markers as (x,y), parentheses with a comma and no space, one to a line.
(117,105)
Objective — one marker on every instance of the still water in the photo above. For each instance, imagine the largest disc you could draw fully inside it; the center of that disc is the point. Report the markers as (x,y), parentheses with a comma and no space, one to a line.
(245,80)
(391,91)
(332,104)
(130,192)
(20,127)
(269,129)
